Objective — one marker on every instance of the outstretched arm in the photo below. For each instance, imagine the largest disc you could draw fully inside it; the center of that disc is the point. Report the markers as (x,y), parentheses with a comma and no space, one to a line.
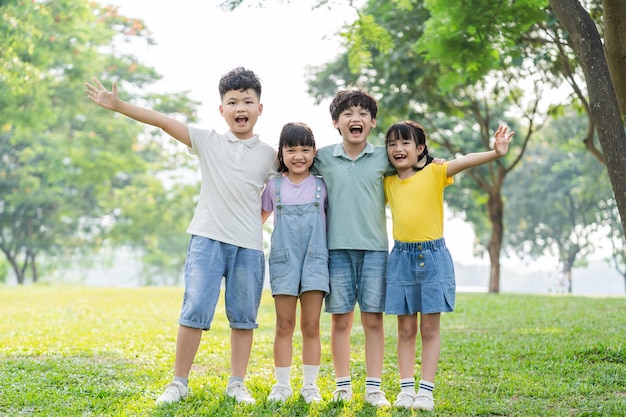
(110,100)
(500,148)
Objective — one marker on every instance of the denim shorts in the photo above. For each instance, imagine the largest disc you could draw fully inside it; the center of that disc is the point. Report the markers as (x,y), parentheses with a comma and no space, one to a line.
(420,278)
(292,273)
(208,262)
(356,276)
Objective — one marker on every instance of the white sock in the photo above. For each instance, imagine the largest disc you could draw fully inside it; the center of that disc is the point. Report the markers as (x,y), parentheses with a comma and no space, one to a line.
(407,385)
(309,374)
(344,382)
(426,388)
(283,374)
(372,384)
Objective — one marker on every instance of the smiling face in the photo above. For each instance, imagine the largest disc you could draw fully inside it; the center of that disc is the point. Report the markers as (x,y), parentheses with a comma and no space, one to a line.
(405,143)
(355,124)
(241,110)
(298,160)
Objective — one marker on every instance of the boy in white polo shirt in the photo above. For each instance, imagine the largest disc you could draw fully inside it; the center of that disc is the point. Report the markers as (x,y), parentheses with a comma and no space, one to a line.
(226,229)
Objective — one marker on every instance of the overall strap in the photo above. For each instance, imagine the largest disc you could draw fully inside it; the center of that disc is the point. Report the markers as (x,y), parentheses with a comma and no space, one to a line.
(277,193)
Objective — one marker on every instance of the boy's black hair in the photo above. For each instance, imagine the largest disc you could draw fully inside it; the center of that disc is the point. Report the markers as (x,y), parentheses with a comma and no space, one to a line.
(293,134)
(239,79)
(411,130)
(346,99)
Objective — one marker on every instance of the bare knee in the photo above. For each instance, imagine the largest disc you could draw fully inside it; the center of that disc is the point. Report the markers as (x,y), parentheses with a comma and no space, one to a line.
(342,322)
(310,328)
(284,327)
(372,321)
(407,328)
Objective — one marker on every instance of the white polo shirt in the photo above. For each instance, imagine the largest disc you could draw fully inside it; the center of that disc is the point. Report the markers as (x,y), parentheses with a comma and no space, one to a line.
(234,172)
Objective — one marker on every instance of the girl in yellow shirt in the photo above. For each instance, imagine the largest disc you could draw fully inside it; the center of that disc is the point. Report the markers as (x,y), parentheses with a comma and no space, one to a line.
(420,271)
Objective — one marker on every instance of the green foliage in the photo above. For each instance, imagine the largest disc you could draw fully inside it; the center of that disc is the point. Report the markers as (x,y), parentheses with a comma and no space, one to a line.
(362,35)
(62,157)
(103,351)
(471,38)
(567,199)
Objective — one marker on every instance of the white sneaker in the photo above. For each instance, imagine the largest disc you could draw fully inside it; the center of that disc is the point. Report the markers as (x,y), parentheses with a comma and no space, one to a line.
(280,393)
(311,394)
(423,402)
(404,400)
(342,394)
(238,391)
(376,398)
(174,392)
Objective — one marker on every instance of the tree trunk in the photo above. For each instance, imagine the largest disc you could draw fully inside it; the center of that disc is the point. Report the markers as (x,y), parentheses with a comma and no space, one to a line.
(607,118)
(19,271)
(495,206)
(33,266)
(614,15)
(567,274)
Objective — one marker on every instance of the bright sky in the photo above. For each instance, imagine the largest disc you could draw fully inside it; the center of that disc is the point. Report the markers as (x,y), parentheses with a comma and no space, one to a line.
(197,43)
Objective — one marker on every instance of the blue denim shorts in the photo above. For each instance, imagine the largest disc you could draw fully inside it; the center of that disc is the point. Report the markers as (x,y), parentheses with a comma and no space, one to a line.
(356,276)
(420,278)
(292,273)
(208,262)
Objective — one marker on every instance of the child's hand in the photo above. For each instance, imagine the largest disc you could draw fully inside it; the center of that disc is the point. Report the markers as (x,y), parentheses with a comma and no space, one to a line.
(502,139)
(438,161)
(101,96)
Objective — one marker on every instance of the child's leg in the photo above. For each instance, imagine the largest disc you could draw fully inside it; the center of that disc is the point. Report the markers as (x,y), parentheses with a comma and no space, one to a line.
(310,310)
(240,347)
(431,343)
(374,343)
(429,327)
(407,332)
(283,346)
(340,343)
(187,343)
(285,324)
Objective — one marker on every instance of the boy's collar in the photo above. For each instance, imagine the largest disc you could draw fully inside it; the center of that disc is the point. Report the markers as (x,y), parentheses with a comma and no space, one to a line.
(339,151)
(249,142)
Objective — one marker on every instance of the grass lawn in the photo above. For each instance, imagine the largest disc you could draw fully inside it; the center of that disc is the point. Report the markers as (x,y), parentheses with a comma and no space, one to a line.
(79,351)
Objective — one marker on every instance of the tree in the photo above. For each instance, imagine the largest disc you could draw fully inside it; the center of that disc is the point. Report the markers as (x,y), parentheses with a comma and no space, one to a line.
(604,109)
(566,201)
(491,42)
(62,159)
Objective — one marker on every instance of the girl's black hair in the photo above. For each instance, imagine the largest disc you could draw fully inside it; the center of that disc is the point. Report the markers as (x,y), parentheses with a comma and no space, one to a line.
(411,130)
(293,134)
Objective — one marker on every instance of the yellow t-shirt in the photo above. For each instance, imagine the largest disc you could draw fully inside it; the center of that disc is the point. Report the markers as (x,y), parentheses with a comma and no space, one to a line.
(417,203)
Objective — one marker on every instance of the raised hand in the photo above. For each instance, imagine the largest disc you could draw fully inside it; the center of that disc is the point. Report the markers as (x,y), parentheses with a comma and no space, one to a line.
(101,96)
(502,139)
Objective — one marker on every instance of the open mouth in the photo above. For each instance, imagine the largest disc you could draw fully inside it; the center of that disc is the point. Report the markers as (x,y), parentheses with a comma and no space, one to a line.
(241,119)
(356,129)
(399,157)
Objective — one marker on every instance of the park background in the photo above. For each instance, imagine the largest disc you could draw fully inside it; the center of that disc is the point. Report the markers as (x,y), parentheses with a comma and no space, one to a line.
(106,346)
(193,44)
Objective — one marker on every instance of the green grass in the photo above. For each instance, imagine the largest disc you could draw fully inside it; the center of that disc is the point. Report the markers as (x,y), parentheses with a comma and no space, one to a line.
(77,351)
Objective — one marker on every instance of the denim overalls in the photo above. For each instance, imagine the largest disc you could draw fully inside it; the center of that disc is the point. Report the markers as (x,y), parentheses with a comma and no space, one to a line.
(298,258)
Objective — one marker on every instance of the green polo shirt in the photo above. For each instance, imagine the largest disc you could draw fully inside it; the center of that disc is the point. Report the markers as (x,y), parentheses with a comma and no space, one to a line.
(356,196)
